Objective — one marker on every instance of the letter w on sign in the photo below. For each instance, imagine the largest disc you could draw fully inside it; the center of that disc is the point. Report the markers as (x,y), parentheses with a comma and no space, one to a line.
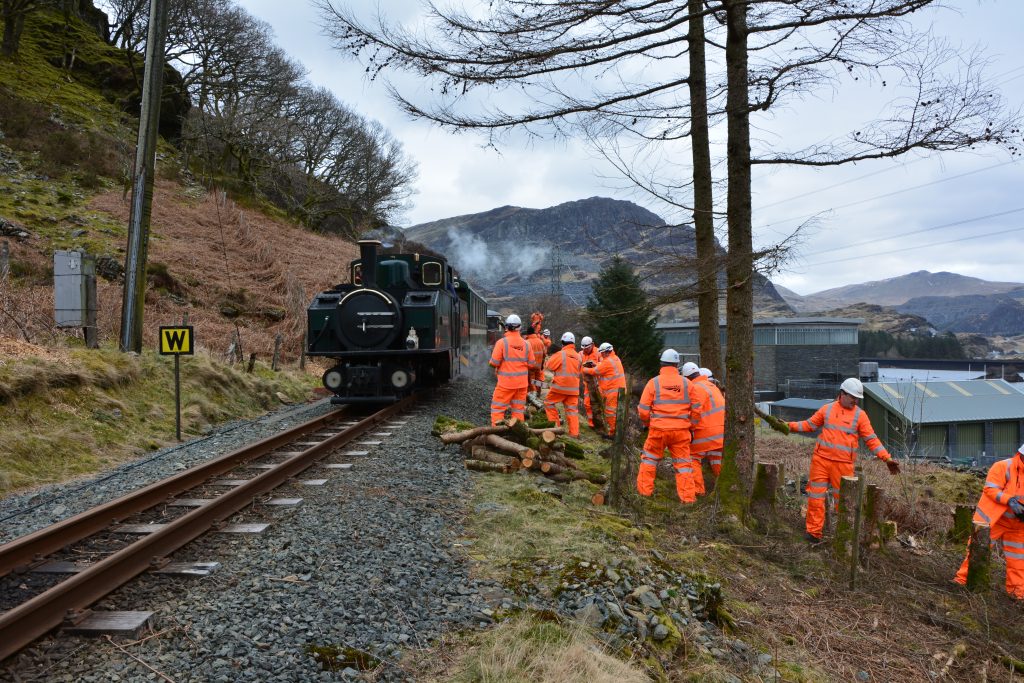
(176,341)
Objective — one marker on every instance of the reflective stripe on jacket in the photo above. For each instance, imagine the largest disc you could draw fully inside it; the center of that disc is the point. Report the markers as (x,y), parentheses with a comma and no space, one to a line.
(666,404)
(709,435)
(841,431)
(565,366)
(512,358)
(1004,481)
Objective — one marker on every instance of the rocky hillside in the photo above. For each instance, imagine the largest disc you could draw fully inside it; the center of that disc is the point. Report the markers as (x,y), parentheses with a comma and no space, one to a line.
(992,314)
(514,252)
(898,290)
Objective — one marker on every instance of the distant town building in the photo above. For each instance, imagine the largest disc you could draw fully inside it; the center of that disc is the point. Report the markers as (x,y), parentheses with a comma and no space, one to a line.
(970,422)
(793,357)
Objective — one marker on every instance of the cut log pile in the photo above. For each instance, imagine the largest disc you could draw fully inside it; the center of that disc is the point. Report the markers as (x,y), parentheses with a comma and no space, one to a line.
(513,445)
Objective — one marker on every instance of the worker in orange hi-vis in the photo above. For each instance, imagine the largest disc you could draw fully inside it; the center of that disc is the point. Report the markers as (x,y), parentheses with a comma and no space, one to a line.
(511,359)
(843,424)
(539,349)
(709,435)
(536,322)
(565,384)
(1001,507)
(667,408)
(610,378)
(546,336)
(588,354)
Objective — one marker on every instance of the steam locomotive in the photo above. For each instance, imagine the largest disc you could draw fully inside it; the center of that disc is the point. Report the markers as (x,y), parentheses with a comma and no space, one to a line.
(405,321)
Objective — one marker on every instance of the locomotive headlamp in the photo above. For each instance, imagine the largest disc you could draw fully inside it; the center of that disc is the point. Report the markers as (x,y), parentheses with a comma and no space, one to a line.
(333,379)
(399,379)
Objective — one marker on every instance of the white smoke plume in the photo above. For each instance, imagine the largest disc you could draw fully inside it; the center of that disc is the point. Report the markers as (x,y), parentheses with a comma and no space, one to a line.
(473,257)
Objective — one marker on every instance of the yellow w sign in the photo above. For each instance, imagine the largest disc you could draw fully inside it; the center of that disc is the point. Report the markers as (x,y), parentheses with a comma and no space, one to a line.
(176,341)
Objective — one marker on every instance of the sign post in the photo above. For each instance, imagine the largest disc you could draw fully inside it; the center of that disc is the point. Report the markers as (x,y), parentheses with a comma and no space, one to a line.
(177,342)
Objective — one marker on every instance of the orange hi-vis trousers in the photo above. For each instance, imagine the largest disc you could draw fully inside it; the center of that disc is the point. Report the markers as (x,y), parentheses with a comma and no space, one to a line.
(677,441)
(1011,531)
(823,487)
(572,410)
(611,404)
(508,399)
(714,459)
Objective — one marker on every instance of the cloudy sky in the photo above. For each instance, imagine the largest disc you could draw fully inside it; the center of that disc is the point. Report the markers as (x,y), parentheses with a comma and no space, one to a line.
(960,212)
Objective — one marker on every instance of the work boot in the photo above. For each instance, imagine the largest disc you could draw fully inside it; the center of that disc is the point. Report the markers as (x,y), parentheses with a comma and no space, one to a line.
(607,437)
(812,539)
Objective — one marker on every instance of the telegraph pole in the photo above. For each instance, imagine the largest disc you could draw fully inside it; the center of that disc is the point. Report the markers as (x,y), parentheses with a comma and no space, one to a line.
(142,181)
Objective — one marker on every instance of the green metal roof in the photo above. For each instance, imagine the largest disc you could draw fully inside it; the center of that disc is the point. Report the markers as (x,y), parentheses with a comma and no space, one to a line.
(979,400)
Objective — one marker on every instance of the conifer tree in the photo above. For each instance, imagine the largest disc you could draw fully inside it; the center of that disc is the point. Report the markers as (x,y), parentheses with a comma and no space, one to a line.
(620,312)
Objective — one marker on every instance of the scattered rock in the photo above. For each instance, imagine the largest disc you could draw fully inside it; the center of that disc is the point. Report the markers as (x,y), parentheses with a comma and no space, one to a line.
(591,615)
(645,596)
(660,632)
(109,268)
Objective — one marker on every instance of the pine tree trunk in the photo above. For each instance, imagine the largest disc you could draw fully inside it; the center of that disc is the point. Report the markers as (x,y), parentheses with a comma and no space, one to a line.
(738,455)
(703,197)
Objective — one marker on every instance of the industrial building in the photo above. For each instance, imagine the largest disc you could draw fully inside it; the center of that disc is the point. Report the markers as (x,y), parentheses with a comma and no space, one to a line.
(793,357)
(970,422)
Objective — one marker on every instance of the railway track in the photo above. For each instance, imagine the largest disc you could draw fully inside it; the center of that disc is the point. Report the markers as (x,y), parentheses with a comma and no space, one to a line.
(68,601)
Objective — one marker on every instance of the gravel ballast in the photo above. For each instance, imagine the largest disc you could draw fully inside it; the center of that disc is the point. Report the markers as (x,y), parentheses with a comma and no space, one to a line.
(369,561)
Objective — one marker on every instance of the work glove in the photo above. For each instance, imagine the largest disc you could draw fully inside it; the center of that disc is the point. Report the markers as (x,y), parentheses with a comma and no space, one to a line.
(1017,506)
(894,467)
(590,364)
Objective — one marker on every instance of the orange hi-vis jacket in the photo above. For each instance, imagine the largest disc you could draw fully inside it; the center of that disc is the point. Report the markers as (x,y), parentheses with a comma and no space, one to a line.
(666,402)
(539,348)
(610,376)
(593,356)
(512,357)
(565,365)
(1004,481)
(841,430)
(709,435)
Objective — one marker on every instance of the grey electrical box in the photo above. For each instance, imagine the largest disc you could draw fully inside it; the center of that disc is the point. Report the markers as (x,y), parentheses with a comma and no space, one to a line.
(74,286)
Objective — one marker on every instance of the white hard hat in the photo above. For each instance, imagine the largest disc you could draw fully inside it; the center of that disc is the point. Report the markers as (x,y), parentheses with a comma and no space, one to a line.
(853,387)
(569,338)
(586,341)
(670,356)
(513,321)
(690,369)
(605,347)
(705,372)
(546,333)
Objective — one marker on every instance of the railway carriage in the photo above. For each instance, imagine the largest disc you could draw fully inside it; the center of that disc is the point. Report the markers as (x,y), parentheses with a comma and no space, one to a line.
(404,321)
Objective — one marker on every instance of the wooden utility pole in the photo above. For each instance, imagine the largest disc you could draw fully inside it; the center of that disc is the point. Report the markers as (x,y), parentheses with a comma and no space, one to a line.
(142,181)
(979,559)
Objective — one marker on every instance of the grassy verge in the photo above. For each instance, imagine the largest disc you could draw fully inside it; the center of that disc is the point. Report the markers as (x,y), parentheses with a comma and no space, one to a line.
(771,595)
(87,410)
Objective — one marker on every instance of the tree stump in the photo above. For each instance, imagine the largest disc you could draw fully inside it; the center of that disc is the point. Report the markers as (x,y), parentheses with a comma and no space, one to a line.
(979,559)
(767,478)
(620,484)
(845,544)
(871,530)
(963,523)
(596,404)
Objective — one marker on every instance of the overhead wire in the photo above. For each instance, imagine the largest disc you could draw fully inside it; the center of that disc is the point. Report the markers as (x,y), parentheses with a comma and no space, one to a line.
(919,231)
(918,246)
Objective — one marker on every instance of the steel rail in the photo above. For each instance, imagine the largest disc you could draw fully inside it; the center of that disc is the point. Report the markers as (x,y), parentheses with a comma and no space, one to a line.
(23,624)
(23,551)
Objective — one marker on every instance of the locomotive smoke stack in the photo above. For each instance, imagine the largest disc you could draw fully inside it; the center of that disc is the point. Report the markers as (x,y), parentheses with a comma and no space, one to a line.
(368,256)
